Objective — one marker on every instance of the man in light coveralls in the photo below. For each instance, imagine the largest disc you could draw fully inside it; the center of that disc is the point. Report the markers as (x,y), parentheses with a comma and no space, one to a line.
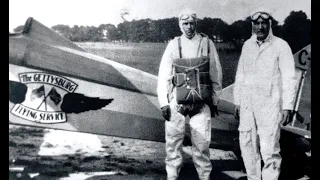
(264,92)
(188,82)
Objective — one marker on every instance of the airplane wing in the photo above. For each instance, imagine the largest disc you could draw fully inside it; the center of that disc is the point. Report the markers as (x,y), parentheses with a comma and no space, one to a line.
(297,131)
(55,84)
(225,104)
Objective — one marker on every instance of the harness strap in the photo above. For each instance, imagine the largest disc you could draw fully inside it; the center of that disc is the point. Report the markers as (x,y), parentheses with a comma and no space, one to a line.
(199,45)
(208,42)
(179,44)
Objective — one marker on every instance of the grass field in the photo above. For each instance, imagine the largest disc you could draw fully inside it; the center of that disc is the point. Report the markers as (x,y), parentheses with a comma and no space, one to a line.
(147,56)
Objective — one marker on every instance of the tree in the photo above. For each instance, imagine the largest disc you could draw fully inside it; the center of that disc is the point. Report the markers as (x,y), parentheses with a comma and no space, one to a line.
(162,30)
(215,28)
(171,28)
(74,33)
(156,31)
(206,26)
(296,30)
(240,31)
(18,28)
(94,34)
(139,30)
(107,32)
(276,28)
(123,31)
(63,30)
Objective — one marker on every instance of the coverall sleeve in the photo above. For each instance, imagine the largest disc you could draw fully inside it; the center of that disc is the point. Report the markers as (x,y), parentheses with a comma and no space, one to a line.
(287,69)
(164,75)
(215,73)
(239,79)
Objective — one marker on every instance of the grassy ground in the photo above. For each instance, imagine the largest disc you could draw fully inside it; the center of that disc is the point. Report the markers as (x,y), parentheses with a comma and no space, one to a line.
(127,158)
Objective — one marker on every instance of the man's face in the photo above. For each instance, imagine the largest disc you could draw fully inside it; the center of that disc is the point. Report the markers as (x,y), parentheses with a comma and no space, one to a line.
(189,28)
(261,28)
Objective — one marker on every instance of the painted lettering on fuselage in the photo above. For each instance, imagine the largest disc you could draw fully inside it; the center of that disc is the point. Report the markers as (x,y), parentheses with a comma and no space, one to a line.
(44,97)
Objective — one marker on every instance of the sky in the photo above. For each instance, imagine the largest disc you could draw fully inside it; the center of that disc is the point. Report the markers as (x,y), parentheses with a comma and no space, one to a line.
(96,12)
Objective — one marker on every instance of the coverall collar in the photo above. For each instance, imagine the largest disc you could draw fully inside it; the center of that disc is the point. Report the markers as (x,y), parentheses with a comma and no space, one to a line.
(262,45)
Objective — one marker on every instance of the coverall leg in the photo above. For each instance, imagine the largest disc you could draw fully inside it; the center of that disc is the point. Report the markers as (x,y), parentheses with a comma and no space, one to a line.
(175,132)
(249,145)
(269,133)
(200,126)
(262,140)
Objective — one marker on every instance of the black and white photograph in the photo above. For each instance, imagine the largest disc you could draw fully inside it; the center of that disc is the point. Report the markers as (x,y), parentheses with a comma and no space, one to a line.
(160,90)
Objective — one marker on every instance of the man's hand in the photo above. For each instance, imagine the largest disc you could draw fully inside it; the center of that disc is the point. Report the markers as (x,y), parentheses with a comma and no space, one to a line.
(166,112)
(237,112)
(286,117)
(213,109)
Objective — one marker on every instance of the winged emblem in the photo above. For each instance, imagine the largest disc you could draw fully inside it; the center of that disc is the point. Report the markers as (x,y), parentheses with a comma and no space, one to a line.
(71,102)
(17,92)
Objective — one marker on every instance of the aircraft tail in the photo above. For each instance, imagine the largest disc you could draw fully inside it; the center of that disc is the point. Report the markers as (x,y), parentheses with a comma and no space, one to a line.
(302,108)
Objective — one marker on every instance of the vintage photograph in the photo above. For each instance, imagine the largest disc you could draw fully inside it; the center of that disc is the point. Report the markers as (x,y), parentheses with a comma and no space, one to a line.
(160,90)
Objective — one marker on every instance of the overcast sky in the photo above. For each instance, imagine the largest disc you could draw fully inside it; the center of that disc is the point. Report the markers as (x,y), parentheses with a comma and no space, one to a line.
(96,12)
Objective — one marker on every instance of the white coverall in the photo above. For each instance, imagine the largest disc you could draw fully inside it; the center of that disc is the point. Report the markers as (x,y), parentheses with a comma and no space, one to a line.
(200,124)
(264,86)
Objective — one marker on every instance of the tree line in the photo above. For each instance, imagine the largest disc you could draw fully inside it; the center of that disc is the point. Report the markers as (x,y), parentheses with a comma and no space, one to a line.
(296,30)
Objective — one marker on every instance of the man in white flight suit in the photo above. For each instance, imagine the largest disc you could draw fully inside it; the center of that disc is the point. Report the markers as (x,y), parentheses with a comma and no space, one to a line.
(264,92)
(188,48)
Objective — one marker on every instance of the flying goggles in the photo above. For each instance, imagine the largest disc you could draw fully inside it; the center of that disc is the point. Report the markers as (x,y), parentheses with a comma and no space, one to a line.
(263,15)
(187,16)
